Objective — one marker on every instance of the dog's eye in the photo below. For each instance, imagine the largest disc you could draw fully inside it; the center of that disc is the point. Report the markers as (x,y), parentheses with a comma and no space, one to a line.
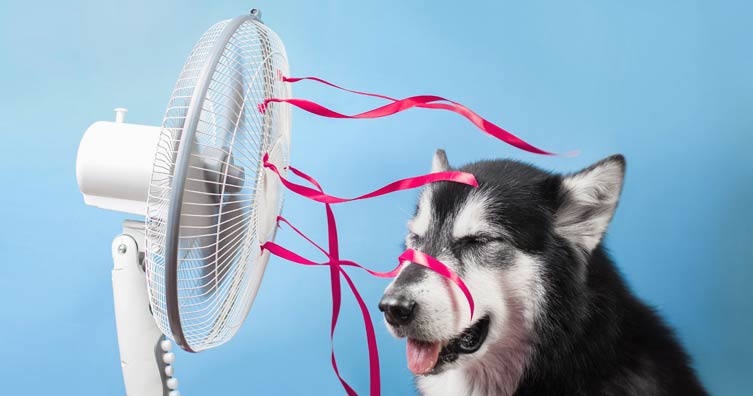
(413,237)
(474,240)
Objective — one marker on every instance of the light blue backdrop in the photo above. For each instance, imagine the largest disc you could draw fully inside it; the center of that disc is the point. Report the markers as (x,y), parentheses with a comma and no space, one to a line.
(668,84)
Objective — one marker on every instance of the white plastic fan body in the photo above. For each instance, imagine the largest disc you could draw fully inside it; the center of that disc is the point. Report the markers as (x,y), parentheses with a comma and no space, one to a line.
(209,204)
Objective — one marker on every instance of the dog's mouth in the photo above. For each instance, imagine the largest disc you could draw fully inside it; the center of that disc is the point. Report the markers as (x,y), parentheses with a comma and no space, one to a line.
(425,357)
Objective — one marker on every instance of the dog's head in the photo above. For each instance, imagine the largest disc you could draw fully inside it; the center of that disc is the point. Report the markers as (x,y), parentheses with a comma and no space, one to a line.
(501,239)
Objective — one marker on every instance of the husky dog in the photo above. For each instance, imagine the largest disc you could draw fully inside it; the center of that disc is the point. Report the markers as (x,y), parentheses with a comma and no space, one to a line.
(553,315)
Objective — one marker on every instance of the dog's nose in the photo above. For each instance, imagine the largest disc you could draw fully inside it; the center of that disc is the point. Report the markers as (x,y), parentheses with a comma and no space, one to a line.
(398,310)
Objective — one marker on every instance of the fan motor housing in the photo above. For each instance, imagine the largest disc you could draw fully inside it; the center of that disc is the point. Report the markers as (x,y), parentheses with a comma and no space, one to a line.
(114,165)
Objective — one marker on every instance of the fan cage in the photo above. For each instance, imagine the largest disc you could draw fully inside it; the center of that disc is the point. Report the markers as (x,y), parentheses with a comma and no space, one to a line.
(225,200)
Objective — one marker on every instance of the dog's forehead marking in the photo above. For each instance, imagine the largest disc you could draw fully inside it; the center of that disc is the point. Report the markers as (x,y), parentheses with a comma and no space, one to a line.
(419,225)
(472,217)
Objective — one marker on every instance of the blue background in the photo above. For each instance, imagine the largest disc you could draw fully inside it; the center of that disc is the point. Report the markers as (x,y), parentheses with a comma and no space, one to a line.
(668,84)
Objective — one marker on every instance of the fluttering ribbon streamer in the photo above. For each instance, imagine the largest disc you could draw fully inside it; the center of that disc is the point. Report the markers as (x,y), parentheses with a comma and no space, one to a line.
(408,256)
(335,263)
(403,184)
(399,105)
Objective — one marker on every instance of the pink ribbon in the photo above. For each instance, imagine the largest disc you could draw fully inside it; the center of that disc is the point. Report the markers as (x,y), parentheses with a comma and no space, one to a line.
(335,263)
(404,184)
(399,105)
(317,194)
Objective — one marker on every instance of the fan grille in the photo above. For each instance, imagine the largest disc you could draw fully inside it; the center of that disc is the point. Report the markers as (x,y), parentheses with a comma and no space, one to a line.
(229,205)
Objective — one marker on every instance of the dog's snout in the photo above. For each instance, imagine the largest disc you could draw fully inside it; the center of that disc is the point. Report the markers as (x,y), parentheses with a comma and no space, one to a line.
(398,310)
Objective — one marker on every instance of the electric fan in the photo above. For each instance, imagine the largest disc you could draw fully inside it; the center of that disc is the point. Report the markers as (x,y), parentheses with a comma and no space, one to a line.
(191,270)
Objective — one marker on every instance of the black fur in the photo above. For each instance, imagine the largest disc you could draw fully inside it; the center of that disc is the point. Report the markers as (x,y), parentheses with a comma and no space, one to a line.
(597,338)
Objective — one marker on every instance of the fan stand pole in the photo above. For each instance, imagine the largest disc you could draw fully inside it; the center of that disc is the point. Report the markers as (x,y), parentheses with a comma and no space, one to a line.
(144,351)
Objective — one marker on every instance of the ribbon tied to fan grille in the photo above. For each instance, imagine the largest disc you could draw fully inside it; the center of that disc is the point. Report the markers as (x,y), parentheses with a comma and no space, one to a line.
(317,194)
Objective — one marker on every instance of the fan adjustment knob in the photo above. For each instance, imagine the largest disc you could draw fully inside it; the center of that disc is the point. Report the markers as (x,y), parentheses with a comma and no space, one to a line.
(120,113)
(174,393)
(169,370)
(172,383)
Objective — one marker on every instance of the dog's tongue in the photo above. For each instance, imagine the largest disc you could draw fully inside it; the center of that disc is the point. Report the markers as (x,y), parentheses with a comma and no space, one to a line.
(422,356)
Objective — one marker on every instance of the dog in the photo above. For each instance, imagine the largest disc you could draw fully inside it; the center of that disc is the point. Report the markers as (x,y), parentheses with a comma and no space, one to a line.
(553,315)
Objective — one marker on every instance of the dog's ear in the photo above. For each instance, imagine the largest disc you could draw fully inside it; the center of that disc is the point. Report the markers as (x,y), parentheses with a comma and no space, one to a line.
(439,163)
(587,201)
